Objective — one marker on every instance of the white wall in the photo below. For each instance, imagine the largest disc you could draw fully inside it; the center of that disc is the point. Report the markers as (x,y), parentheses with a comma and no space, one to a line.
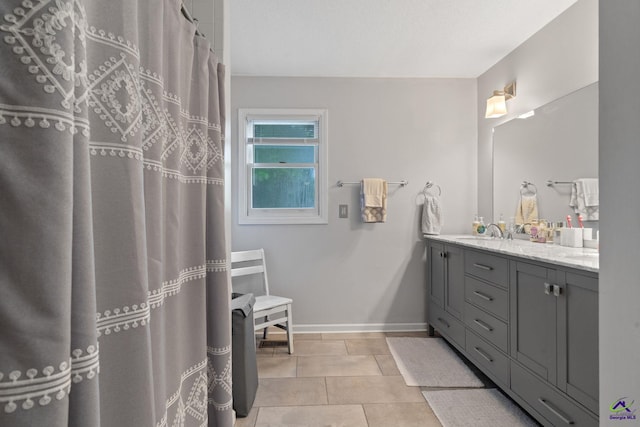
(346,272)
(557,60)
(620,206)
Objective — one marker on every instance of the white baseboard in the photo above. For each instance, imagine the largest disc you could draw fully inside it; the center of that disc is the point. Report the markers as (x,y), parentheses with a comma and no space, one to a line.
(359,327)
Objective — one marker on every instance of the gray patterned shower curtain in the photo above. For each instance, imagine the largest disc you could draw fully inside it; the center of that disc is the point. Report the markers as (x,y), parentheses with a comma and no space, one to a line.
(114,297)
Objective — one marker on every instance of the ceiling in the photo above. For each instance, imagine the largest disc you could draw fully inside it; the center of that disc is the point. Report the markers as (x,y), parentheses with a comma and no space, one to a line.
(381,38)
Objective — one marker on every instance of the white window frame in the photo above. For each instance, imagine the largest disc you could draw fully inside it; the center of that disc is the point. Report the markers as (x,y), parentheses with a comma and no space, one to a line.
(248,215)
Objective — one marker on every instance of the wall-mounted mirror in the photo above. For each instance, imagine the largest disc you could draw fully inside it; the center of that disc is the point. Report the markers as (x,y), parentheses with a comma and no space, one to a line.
(559,143)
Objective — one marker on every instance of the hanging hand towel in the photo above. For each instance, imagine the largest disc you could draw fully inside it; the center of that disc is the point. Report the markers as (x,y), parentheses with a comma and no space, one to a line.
(373,200)
(527,210)
(585,198)
(431,215)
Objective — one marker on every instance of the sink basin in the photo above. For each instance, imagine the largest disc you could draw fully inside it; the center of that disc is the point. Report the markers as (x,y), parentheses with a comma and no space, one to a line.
(583,256)
(475,238)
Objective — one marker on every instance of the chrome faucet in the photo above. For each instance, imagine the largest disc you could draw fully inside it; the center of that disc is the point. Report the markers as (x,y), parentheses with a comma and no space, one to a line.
(496,227)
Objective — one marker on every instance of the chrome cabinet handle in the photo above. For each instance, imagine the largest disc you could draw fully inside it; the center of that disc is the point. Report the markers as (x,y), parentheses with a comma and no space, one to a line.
(483,325)
(444,322)
(557,290)
(547,288)
(483,354)
(483,296)
(483,267)
(555,411)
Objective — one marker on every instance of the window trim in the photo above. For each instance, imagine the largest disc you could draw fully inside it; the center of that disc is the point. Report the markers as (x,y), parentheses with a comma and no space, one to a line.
(247,215)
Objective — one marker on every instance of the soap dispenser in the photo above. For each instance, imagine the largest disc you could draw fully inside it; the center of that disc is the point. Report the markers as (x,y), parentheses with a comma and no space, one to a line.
(482,228)
(474,225)
(502,225)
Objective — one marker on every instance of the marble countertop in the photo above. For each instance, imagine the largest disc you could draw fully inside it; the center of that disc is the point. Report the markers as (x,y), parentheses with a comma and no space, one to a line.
(580,258)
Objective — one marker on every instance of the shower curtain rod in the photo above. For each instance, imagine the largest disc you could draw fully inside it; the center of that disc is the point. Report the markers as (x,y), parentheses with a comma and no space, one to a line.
(191,19)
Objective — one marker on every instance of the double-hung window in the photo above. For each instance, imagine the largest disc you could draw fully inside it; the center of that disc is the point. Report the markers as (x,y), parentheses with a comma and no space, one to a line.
(282,166)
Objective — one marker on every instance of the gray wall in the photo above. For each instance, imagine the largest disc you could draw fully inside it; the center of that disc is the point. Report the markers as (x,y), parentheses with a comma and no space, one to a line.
(348,275)
(619,178)
(557,60)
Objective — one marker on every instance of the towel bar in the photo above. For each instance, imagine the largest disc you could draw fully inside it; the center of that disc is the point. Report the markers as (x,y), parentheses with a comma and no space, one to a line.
(402,183)
(552,183)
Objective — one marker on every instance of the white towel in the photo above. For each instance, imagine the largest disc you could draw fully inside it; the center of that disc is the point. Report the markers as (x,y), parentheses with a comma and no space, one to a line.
(431,215)
(373,200)
(585,198)
(374,191)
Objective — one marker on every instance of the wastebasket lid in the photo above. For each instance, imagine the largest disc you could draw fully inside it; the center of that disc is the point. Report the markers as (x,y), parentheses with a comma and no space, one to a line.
(243,303)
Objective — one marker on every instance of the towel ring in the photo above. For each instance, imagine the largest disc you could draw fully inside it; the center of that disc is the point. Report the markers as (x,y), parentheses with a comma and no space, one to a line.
(525,186)
(430,185)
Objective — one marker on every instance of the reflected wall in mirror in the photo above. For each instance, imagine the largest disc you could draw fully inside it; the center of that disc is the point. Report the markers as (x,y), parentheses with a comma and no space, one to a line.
(558,143)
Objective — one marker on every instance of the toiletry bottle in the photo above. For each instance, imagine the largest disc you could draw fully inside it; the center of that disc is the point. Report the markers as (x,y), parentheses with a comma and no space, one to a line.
(557,233)
(542,231)
(550,231)
(474,226)
(482,228)
(502,225)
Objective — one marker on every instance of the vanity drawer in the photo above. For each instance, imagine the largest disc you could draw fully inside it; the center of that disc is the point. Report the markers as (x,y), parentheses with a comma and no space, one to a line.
(490,328)
(446,324)
(490,298)
(554,407)
(489,267)
(487,356)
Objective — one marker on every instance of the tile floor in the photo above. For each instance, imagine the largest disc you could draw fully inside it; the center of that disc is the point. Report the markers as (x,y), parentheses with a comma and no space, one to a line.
(341,379)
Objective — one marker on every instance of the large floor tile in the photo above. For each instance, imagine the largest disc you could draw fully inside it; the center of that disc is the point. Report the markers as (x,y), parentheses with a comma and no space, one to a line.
(378,389)
(277,366)
(309,336)
(367,346)
(316,348)
(332,366)
(401,415)
(351,335)
(387,364)
(312,416)
(291,391)
(412,334)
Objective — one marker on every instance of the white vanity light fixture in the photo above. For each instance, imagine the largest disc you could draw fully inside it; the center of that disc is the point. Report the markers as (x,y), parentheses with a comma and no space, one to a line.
(497,103)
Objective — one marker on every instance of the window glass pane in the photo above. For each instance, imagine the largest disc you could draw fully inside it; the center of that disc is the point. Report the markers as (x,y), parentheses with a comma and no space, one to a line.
(292,188)
(284,154)
(284,130)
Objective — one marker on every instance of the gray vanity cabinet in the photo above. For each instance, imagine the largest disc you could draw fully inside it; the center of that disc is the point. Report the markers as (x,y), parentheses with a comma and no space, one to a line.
(578,338)
(435,273)
(554,333)
(445,283)
(531,326)
(533,319)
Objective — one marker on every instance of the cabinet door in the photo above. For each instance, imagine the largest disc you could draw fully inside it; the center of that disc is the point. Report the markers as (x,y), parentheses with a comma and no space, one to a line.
(533,318)
(454,281)
(435,273)
(578,338)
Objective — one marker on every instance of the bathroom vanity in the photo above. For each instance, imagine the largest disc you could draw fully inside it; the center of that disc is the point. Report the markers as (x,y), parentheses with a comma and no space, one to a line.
(524,313)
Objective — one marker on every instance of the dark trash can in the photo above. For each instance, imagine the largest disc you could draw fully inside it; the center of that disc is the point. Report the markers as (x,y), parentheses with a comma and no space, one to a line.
(243,348)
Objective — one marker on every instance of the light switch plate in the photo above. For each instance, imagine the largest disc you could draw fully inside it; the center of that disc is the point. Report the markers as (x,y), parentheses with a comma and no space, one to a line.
(343,211)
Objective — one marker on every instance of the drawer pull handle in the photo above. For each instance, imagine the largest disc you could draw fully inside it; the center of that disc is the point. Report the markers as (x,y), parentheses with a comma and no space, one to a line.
(483,325)
(483,296)
(547,288)
(444,322)
(483,267)
(483,354)
(557,290)
(555,411)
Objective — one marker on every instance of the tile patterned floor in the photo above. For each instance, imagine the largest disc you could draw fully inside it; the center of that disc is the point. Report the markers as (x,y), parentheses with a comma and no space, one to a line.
(341,379)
